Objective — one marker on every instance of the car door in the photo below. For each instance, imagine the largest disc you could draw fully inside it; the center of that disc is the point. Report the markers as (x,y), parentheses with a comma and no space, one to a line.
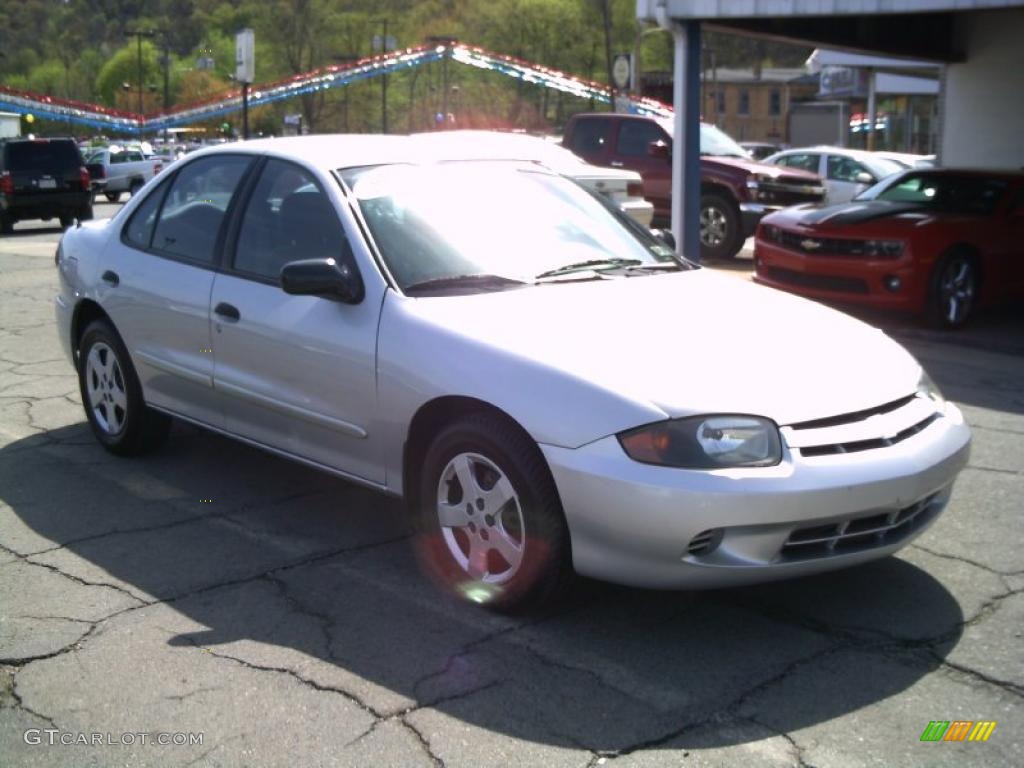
(631,150)
(298,373)
(841,176)
(156,282)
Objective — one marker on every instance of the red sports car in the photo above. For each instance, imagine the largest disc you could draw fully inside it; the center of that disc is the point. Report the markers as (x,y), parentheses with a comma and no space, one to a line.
(938,242)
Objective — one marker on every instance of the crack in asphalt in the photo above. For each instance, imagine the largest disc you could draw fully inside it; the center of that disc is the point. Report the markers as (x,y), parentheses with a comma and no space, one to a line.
(980,468)
(74,645)
(962,559)
(1014,689)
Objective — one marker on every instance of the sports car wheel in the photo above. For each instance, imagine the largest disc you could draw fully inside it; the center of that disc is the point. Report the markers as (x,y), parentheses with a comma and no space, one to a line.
(953,288)
(112,397)
(489,522)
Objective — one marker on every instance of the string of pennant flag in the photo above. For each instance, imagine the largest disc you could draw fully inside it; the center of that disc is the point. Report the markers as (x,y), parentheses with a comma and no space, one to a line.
(324,78)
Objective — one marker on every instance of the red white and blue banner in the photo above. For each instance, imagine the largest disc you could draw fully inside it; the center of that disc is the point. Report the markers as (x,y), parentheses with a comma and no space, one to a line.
(118,121)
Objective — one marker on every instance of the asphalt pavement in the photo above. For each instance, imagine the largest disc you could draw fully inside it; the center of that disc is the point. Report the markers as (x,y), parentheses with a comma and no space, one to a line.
(212,593)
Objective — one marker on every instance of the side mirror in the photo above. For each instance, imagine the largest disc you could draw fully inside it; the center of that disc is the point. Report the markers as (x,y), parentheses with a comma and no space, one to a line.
(322,277)
(666,236)
(865,178)
(660,149)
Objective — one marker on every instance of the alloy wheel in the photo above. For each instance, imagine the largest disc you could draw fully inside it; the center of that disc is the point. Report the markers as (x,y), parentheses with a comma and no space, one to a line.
(105,388)
(481,518)
(956,290)
(713,226)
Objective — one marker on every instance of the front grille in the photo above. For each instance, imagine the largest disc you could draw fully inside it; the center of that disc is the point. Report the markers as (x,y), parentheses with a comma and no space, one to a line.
(819,282)
(854,416)
(827,246)
(859,533)
(792,192)
(854,446)
(865,430)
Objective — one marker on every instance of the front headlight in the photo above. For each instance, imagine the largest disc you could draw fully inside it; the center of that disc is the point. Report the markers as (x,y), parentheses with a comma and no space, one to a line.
(928,388)
(885,249)
(706,442)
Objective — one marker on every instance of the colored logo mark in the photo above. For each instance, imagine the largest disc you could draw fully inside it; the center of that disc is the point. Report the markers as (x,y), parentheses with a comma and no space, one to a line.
(958,730)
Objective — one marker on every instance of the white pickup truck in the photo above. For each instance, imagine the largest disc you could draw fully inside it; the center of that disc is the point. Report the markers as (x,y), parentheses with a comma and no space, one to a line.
(125,170)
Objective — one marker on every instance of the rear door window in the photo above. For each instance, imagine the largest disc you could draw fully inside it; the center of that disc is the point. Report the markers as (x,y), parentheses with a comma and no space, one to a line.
(590,137)
(195,207)
(845,169)
(139,230)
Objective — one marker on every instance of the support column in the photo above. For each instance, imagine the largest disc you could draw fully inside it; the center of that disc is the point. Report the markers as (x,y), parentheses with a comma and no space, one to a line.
(872,110)
(686,147)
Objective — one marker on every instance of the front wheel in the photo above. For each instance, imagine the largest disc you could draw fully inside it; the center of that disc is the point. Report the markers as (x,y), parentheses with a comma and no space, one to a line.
(112,197)
(720,236)
(489,522)
(112,396)
(954,285)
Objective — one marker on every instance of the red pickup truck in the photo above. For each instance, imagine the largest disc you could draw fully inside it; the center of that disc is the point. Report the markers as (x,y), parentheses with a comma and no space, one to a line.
(736,191)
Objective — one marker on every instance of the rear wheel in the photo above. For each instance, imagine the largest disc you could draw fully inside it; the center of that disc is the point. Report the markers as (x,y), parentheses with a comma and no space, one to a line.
(112,396)
(719,227)
(66,220)
(953,289)
(133,190)
(489,521)
(112,196)
(6,225)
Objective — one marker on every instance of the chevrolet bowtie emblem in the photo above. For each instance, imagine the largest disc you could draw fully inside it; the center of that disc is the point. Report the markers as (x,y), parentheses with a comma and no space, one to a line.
(810,245)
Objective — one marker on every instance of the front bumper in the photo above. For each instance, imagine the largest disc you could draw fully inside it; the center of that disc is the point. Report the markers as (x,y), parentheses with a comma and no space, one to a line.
(44,205)
(854,281)
(637,524)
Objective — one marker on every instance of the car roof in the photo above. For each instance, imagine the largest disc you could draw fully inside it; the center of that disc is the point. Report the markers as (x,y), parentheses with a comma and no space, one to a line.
(327,151)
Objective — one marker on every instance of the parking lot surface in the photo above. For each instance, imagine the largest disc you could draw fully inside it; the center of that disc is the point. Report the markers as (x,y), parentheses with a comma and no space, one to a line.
(214,593)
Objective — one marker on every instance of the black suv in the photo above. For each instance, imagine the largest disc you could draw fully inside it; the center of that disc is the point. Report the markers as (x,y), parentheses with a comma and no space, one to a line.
(42,179)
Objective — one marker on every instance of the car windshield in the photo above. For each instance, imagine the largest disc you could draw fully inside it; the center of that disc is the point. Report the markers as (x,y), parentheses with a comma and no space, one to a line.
(489,226)
(713,141)
(881,167)
(952,193)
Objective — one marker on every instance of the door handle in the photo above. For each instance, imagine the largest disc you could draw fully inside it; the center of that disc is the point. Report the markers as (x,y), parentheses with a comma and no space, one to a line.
(111,278)
(227,311)
(615,163)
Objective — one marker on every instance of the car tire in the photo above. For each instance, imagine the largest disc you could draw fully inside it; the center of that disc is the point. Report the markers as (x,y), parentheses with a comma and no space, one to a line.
(112,395)
(6,225)
(66,220)
(133,190)
(953,289)
(507,548)
(86,213)
(720,236)
(112,197)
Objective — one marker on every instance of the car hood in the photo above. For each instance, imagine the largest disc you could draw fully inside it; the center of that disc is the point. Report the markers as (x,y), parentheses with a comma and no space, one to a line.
(688,343)
(855,213)
(753,166)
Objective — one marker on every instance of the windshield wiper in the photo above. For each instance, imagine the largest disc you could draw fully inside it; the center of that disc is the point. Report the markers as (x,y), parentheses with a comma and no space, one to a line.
(591,264)
(481,280)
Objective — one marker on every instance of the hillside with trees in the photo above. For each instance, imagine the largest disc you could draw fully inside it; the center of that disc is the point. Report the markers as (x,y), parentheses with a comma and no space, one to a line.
(88,50)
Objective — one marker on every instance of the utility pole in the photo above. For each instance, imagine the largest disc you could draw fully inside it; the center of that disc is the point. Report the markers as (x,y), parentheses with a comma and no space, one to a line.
(138,35)
(384,83)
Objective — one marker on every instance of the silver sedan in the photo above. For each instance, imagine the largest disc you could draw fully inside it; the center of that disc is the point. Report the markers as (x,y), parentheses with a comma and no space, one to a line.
(543,381)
